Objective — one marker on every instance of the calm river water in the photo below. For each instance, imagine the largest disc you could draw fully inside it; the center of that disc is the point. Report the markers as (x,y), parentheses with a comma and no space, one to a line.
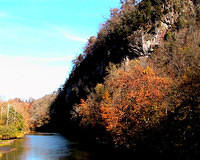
(46,147)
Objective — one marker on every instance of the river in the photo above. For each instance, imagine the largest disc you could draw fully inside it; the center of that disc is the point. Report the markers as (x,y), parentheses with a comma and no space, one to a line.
(46,147)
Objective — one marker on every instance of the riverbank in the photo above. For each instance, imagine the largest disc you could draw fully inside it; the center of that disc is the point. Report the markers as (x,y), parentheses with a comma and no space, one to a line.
(6,142)
(10,132)
(11,137)
(5,145)
(8,135)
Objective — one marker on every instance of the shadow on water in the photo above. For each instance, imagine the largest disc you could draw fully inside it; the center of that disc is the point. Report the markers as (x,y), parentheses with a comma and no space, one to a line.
(56,147)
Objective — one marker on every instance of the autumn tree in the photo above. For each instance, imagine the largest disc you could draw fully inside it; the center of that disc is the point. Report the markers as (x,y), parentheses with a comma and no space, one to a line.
(88,111)
(137,97)
(131,101)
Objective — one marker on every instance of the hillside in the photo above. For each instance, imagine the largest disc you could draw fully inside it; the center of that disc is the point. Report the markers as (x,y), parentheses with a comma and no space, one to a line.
(138,79)
(40,111)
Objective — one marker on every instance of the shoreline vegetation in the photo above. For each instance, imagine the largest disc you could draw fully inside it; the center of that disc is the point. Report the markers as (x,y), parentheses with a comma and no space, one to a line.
(13,122)
(136,84)
(18,117)
(7,137)
(9,133)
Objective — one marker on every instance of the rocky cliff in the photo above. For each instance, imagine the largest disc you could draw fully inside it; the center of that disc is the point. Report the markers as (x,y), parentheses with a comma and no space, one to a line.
(131,32)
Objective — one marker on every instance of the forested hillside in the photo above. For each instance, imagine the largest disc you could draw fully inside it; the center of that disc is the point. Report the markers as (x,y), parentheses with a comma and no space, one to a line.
(136,86)
(40,111)
(18,117)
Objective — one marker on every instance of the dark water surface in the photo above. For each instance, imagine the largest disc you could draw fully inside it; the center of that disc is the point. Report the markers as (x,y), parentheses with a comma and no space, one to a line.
(45,147)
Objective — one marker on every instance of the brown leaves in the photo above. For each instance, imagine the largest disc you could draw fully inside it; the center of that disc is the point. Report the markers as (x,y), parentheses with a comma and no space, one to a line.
(137,97)
(131,101)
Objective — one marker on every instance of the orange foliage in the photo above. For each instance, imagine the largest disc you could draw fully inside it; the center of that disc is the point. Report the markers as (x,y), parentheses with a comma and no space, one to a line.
(137,99)
(133,99)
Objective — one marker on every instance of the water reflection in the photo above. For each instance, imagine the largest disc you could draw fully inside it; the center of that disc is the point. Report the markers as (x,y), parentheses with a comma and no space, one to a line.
(51,147)
(38,147)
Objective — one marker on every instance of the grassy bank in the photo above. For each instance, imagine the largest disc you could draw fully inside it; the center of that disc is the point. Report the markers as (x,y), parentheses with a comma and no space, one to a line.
(10,132)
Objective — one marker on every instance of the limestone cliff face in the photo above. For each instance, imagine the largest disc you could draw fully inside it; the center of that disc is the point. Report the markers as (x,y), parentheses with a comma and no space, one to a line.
(145,40)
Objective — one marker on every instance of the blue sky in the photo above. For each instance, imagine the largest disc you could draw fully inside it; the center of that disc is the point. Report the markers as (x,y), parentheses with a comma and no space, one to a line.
(39,39)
